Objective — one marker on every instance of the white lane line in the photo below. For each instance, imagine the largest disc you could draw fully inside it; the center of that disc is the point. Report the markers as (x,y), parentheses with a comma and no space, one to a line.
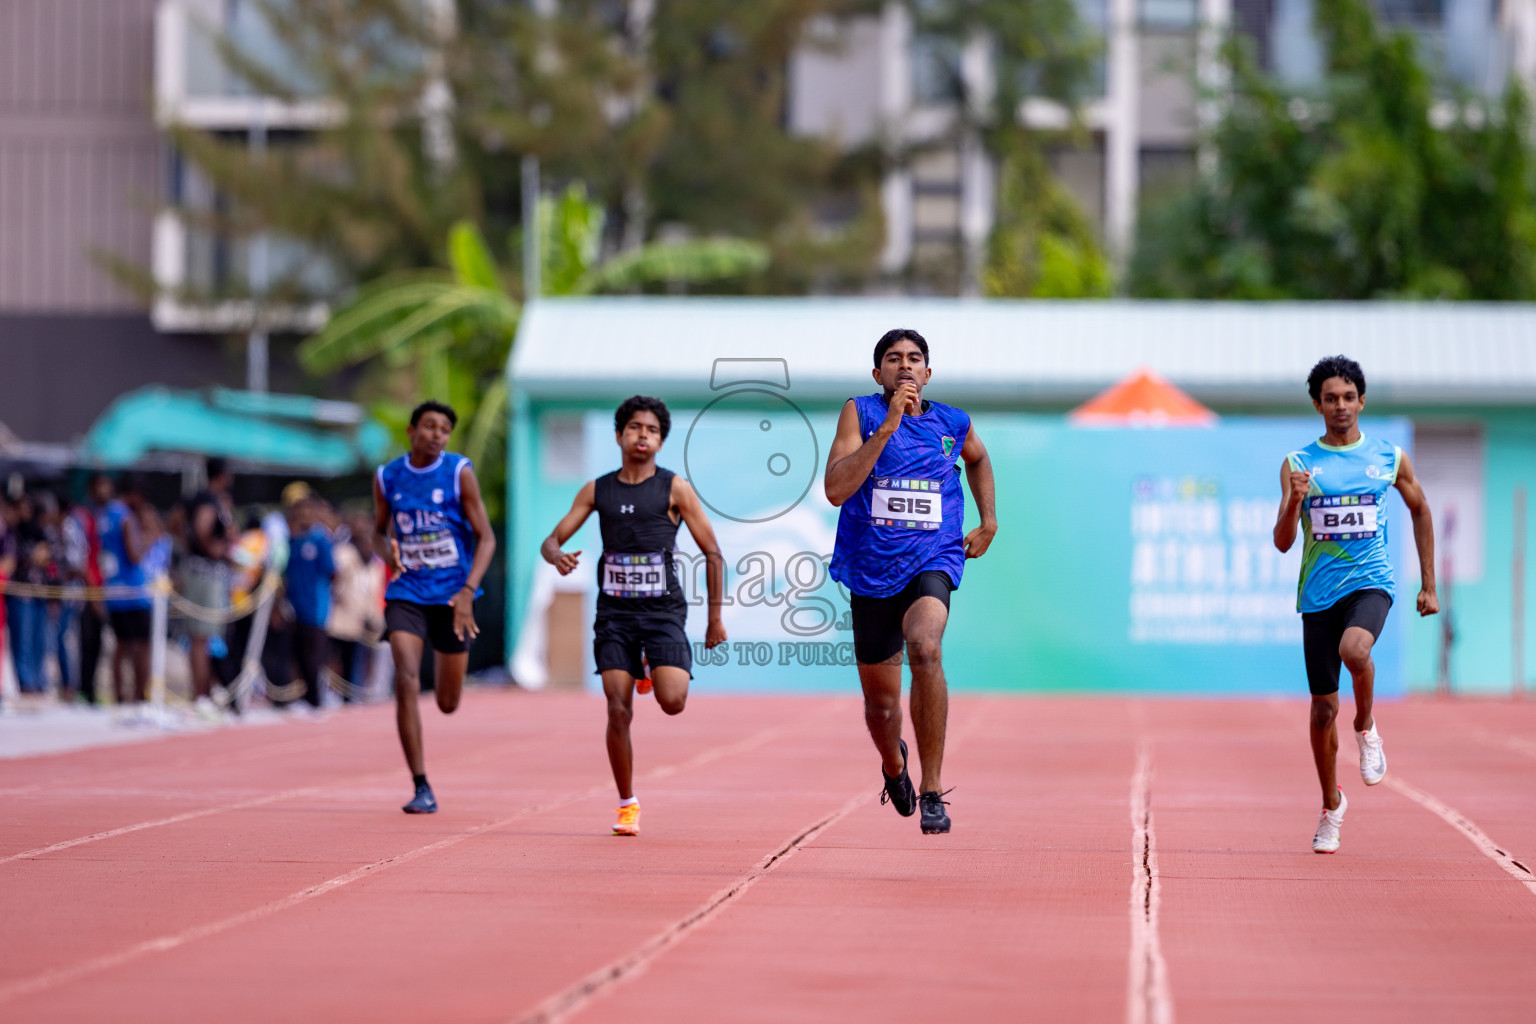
(576,998)
(62,975)
(1460,822)
(158,822)
(1148,998)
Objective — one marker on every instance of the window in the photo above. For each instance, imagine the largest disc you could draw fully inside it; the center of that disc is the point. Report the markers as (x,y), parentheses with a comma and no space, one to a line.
(1448,460)
(1169,14)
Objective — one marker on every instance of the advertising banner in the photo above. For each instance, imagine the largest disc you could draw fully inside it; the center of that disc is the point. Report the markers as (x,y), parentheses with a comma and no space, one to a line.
(1127,560)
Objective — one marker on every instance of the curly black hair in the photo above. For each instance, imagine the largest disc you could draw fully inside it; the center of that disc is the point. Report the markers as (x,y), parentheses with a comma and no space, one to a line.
(890,338)
(1335,366)
(643,403)
(431,405)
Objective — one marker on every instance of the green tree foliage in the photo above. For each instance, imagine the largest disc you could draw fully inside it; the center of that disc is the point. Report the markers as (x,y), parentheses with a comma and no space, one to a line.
(448,334)
(1043,243)
(1353,190)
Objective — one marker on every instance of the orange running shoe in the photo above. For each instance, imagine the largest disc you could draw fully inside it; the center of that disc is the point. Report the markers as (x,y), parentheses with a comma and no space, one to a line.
(643,687)
(629,820)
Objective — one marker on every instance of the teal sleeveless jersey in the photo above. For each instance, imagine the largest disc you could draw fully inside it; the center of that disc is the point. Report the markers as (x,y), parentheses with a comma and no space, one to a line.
(1344,520)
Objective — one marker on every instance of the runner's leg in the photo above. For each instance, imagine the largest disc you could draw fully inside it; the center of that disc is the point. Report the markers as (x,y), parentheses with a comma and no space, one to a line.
(448,679)
(882,710)
(1355,652)
(619,686)
(671,685)
(1325,745)
(406,649)
(923,626)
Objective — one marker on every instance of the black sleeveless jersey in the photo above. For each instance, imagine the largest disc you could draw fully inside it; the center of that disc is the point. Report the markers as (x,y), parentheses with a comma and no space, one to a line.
(635,574)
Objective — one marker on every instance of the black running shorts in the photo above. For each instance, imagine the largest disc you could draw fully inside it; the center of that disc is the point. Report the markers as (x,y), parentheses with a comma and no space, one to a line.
(1322,631)
(432,622)
(619,640)
(129,624)
(877,635)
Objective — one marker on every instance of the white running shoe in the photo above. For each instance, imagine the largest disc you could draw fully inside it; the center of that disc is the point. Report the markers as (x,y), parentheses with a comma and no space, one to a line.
(1328,823)
(1373,760)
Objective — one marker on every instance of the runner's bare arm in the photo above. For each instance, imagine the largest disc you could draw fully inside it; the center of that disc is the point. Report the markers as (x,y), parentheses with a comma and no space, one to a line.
(565,529)
(978,474)
(1408,486)
(381,526)
(463,603)
(687,503)
(853,458)
(1293,490)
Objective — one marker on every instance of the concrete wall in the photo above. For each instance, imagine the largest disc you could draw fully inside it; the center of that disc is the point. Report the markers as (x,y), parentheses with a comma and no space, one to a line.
(81,163)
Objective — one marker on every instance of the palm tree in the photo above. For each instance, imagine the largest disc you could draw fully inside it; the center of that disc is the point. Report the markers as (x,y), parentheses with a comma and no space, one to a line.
(448,333)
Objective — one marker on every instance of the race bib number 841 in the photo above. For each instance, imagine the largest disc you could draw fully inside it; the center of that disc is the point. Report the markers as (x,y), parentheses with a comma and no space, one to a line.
(1342,516)
(909,504)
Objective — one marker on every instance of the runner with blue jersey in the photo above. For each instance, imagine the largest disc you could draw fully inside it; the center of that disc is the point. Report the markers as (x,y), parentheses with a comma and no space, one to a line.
(1335,491)
(125,546)
(440,545)
(894,470)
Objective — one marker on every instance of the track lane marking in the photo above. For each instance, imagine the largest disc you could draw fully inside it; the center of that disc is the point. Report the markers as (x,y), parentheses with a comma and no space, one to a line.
(1148,998)
(365,778)
(1521,872)
(573,1000)
(61,975)
(577,997)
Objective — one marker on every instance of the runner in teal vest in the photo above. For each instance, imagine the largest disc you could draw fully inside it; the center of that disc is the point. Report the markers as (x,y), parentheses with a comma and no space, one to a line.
(1336,489)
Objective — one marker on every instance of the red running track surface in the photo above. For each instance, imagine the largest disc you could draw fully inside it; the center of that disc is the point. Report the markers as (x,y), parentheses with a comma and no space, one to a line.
(1111,860)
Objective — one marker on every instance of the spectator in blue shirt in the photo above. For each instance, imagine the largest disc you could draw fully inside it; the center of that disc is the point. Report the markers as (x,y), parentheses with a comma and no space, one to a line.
(311,567)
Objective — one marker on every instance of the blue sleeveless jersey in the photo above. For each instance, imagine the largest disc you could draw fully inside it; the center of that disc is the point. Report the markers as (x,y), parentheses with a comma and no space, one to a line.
(436,541)
(116,569)
(907,516)
(1344,520)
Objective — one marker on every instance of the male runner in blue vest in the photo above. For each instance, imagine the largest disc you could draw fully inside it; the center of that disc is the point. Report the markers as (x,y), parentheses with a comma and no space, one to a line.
(641,610)
(428,503)
(1336,487)
(893,469)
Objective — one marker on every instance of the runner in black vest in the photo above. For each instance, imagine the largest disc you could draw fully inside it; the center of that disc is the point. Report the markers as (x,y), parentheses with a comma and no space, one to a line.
(640,607)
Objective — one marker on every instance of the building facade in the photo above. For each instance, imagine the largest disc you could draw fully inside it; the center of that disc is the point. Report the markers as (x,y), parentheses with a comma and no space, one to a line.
(875,79)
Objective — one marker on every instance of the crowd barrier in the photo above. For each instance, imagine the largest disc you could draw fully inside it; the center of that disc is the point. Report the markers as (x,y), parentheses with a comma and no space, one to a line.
(166,603)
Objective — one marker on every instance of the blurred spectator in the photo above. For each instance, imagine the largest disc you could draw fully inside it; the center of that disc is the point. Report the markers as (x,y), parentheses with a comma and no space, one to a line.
(205,577)
(125,548)
(28,616)
(7,561)
(357,601)
(311,567)
(93,615)
(249,557)
(67,547)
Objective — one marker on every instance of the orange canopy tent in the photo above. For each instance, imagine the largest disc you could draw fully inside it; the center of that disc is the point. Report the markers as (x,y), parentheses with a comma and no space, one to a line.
(1142,400)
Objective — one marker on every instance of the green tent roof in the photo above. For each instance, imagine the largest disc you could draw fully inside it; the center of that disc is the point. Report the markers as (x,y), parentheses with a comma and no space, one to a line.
(290,432)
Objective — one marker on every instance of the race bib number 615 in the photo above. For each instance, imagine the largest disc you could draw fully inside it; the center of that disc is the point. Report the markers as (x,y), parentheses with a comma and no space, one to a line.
(909,504)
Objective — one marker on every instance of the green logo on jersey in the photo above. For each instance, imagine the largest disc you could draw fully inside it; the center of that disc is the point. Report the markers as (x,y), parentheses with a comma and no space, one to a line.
(949,447)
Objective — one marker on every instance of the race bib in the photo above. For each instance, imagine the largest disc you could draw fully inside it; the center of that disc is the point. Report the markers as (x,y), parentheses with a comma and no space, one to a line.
(1342,516)
(626,574)
(429,551)
(908,504)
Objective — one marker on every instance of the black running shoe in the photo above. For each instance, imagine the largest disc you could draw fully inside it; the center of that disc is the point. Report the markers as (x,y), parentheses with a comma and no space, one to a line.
(935,820)
(422,803)
(899,791)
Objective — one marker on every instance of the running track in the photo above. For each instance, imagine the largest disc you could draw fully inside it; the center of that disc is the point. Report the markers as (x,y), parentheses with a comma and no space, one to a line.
(1112,860)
